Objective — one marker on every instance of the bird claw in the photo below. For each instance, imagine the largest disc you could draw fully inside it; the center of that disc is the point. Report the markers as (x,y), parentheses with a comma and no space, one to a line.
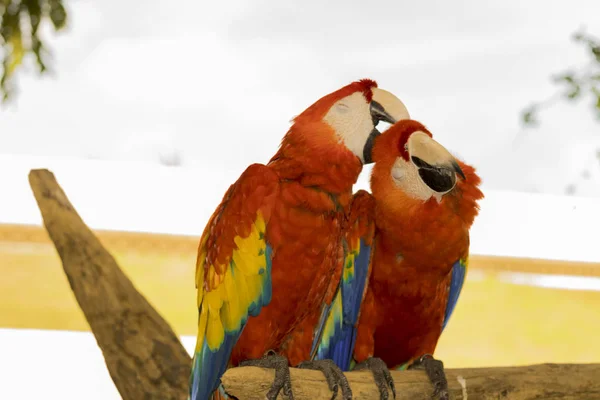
(282,380)
(333,374)
(381,374)
(435,372)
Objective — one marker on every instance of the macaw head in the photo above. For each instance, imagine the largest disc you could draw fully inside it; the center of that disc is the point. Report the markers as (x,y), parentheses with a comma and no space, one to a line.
(408,158)
(348,117)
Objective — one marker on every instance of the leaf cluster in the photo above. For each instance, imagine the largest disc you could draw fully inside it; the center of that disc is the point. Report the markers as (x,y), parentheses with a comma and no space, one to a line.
(575,83)
(20,22)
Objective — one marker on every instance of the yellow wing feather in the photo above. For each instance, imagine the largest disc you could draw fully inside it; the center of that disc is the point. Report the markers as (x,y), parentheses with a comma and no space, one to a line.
(226,307)
(233,274)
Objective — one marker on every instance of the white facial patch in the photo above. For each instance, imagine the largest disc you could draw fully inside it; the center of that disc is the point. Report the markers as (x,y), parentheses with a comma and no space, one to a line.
(350,117)
(406,176)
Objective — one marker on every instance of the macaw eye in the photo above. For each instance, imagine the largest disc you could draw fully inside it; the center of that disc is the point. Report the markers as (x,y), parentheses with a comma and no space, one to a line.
(342,108)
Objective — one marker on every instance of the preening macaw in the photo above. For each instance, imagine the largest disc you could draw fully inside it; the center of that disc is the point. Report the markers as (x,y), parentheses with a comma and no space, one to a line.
(270,258)
(424,202)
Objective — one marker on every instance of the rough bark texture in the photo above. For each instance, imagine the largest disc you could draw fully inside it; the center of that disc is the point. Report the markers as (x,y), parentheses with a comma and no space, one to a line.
(545,381)
(146,360)
(144,356)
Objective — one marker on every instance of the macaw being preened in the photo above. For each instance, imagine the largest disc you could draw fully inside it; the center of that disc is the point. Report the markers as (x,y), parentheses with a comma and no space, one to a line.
(423,204)
(426,202)
(271,250)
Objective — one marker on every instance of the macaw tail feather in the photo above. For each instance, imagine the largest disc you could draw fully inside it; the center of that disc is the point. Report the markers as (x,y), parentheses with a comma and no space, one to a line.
(220,394)
(336,331)
(205,383)
(337,341)
(342,354)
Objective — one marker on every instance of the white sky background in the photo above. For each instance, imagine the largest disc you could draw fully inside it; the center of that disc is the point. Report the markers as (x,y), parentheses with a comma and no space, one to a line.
(220,81)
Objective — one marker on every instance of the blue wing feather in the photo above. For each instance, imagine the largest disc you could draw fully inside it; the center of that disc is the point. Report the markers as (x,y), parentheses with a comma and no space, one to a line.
(205,383)
(336,331)
(459,271)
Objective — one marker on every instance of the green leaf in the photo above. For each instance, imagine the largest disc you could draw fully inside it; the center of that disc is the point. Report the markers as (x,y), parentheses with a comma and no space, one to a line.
(34,10)
(15,45)
(566,77)
(38,51)
(596,52)
(529,116)
(579,35)
(573,94)
(58,14)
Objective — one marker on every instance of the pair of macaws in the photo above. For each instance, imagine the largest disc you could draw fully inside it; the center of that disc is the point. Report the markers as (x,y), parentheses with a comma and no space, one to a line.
(293,269)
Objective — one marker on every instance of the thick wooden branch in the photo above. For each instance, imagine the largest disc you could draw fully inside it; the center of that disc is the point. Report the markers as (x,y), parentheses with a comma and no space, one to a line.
(144,356)
(146,360)
(545,381)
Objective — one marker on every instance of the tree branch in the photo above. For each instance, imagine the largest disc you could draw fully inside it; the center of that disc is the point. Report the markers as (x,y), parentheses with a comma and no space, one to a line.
(545,381)
(143,355)
(146,360)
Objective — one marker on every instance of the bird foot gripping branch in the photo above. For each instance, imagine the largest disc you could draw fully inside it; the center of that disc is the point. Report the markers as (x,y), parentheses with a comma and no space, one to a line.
(381,375)
(282,373)
(336,379)
(333,374)
(435,372)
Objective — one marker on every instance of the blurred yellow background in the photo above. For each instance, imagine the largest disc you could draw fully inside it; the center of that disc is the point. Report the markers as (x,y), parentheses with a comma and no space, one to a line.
(495,323)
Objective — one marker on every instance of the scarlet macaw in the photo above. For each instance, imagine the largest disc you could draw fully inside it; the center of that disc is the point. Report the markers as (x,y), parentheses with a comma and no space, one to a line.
(273,247)
(424,202)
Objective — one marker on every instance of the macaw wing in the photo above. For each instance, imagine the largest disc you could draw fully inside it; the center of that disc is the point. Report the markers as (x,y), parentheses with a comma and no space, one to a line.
(457,279)
(233,274)
(336,332)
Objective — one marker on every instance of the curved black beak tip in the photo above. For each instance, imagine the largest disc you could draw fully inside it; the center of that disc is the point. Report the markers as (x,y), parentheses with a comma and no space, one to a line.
(368,149)
(458,170)
(378,113)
